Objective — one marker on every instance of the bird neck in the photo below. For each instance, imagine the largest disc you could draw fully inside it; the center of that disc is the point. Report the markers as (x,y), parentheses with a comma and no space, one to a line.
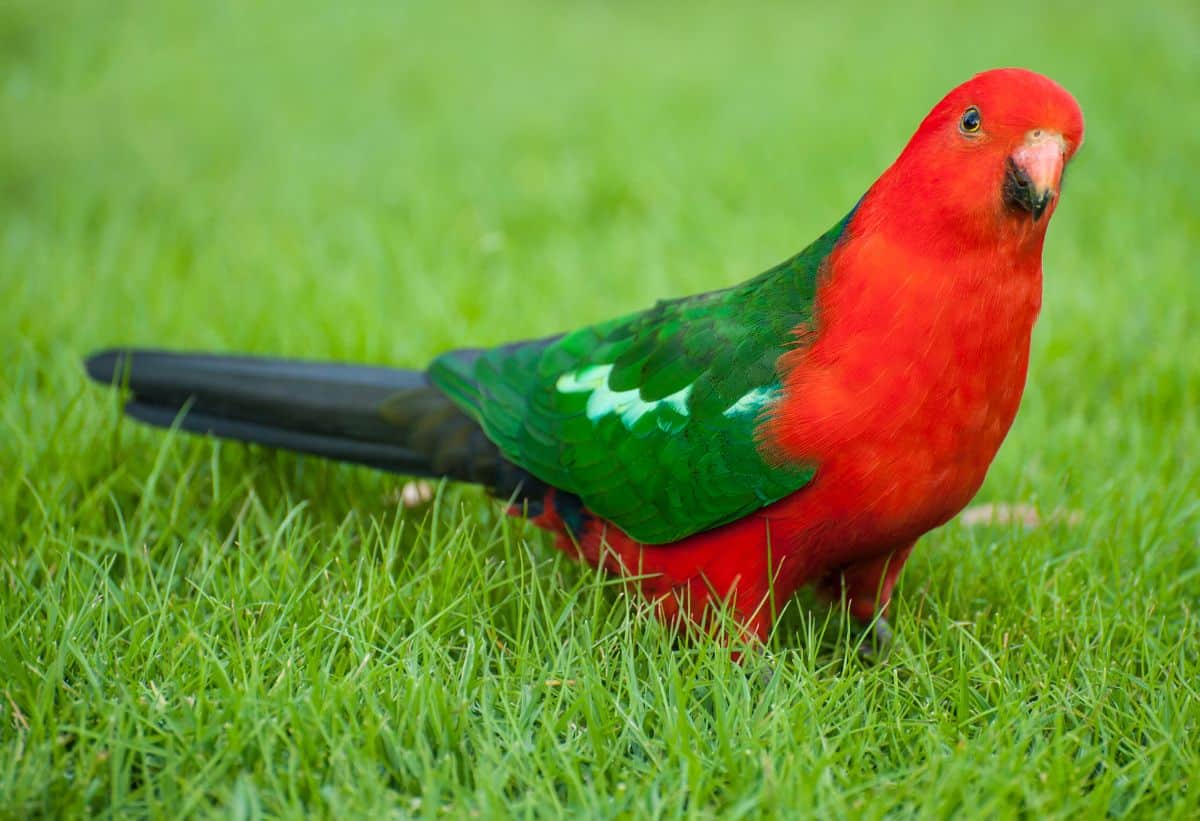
(940,286)
(933,215)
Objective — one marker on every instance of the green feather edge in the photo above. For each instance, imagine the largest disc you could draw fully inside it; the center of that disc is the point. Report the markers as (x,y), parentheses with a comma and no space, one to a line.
(651,419)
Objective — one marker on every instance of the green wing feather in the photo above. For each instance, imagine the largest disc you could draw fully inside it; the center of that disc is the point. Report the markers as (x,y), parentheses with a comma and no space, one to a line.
(651,418)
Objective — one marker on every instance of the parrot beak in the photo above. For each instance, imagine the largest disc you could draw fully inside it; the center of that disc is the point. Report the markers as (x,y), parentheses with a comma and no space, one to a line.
(1034,172)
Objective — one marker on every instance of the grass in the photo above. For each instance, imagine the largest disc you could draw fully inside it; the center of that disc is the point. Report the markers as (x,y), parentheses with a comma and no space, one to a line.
(194,628)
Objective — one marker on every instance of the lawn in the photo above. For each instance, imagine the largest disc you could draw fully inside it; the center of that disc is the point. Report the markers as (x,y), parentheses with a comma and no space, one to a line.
(194,628)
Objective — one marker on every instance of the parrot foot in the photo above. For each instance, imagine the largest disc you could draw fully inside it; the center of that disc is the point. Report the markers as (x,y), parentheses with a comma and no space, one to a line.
(415,493)
(875,648)
(765,675)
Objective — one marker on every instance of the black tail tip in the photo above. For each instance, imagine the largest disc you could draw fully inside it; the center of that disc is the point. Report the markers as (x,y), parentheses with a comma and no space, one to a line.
(107,366)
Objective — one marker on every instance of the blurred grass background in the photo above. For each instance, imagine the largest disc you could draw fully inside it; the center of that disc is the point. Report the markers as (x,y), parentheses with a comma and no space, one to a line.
(381,181)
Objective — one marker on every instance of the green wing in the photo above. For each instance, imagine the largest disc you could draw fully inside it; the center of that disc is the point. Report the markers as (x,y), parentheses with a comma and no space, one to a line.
(651,419)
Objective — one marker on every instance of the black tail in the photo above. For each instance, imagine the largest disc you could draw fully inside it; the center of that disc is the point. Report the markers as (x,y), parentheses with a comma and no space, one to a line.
(388,419)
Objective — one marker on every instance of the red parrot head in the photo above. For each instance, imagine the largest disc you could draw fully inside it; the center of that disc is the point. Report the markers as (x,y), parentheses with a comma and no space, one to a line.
(987,163)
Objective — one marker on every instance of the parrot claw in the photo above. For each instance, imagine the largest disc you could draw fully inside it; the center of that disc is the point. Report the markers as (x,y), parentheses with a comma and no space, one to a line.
(875,648)
(766,675)
(414,494)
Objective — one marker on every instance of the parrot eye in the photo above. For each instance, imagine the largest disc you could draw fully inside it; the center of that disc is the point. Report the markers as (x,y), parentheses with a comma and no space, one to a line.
(971,121)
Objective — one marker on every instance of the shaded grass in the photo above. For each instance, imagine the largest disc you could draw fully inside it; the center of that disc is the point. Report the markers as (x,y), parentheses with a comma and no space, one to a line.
(197,628)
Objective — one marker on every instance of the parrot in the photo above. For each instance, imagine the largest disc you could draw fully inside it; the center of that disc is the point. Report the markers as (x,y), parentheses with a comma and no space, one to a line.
(718,452)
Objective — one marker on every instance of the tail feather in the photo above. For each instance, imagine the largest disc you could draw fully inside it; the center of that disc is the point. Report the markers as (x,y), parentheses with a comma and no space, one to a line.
(375,455)
(384,418)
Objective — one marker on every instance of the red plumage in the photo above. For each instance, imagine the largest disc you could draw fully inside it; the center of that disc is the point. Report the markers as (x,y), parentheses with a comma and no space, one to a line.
(911,374)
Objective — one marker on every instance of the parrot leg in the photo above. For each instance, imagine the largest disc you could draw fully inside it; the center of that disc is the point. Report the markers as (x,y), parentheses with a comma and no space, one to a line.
(880,644)
(866,587)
